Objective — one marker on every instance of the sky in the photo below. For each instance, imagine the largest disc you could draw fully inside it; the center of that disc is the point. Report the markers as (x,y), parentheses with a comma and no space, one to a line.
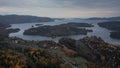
(61,8)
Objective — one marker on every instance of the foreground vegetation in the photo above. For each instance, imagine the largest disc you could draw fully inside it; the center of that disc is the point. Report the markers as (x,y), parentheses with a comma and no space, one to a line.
(98,53)
(18,53)
(89,52)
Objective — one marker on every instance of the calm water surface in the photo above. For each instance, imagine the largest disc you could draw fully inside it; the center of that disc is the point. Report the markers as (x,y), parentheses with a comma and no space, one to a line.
(97,31)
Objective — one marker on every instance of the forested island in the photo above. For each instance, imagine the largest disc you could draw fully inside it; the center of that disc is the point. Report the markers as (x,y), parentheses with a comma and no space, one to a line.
(13,30)
(114,26)
(59,30)
(77,24)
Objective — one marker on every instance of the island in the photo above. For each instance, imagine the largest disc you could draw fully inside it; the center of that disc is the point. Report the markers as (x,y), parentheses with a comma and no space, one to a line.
(77,24)
(13,30)
(38,24)
(111,25)
(114,26)
(57,30)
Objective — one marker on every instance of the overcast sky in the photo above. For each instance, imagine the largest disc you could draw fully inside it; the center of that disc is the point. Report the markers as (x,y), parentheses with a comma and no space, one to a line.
(61,8)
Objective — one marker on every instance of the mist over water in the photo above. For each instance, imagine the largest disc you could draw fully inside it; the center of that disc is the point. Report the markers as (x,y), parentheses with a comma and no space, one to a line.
(97,31)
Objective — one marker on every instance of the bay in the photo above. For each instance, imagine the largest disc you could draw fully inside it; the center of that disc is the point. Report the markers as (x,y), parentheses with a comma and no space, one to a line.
(97,31)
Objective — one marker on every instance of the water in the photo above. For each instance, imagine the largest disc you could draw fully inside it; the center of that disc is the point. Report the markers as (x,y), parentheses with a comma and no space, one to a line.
(97,31)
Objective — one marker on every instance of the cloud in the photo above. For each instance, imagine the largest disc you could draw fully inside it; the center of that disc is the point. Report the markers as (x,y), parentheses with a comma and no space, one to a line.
(61,8)
(80,3)
(61,3)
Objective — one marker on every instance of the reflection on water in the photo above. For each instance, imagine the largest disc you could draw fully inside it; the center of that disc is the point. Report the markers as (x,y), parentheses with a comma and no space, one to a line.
(97,31)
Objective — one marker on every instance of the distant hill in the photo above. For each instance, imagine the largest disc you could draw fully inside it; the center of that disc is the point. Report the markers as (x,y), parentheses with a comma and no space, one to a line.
(10,19)
(4,25)
(109,18)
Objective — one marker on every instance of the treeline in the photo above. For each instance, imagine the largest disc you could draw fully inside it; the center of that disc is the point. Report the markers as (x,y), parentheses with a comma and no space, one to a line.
(10,19)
